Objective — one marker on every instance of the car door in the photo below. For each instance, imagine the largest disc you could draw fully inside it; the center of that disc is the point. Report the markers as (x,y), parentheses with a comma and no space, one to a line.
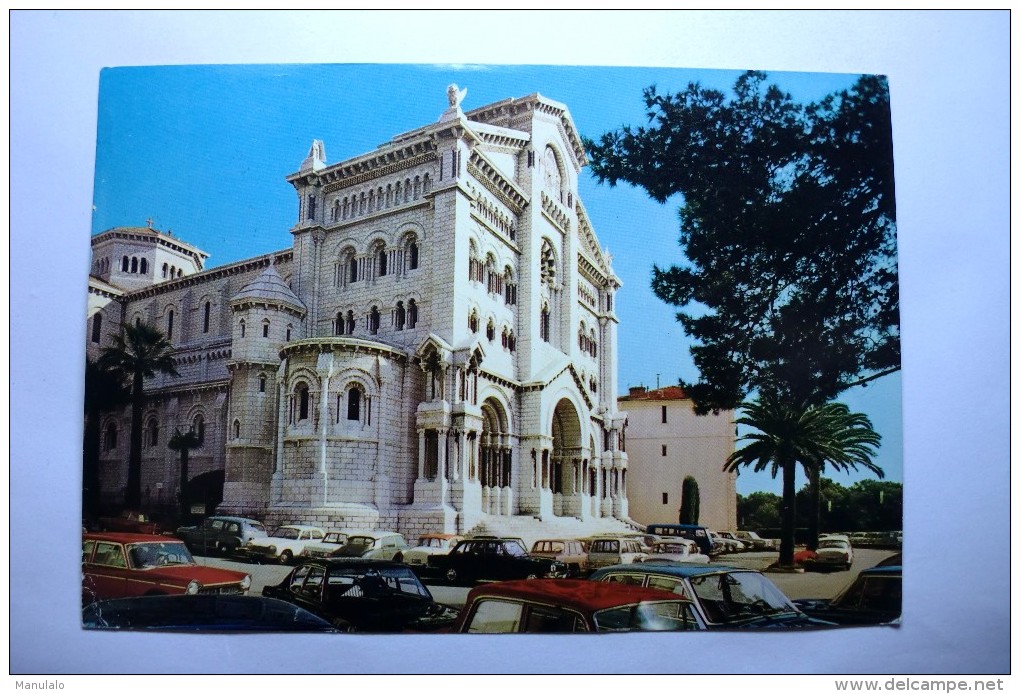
(106,575)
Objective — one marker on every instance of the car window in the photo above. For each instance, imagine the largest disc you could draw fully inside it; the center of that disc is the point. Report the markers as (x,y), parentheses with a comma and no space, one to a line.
(882,594)
(86,549)
(233,528)
(313,582)
(257,527)
(626,579)
(674,585)
(542,619)
(653,616)
(404,582)
(109,554)
(316,534)
(495,617)
(298,577)
(217,525)
(514,549)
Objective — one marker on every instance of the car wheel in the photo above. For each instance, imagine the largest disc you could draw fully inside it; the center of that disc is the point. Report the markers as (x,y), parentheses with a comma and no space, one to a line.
(285,557)
(451,575)
(398,557)
(343,626)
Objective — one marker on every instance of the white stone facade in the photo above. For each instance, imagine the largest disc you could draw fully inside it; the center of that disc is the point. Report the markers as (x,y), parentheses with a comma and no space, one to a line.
(436,350)
(667,442)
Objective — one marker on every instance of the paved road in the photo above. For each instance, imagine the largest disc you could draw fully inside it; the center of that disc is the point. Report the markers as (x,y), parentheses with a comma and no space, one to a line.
(810,584)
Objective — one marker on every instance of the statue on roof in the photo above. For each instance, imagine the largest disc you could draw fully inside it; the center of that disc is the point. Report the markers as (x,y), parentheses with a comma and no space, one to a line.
(455,96)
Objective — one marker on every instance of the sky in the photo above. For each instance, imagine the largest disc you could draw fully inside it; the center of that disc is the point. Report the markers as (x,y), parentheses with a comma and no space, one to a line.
(203,151)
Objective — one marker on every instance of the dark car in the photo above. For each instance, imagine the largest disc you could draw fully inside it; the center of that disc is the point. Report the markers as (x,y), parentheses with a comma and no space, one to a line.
(874,597)
(121,565)
(130,522)
(363,595)
(545,606)
(220,534)
(495,559)
(726,597)
(216,613)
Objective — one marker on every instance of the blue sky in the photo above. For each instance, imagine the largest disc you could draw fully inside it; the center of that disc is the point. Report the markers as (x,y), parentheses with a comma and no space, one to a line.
(203,152)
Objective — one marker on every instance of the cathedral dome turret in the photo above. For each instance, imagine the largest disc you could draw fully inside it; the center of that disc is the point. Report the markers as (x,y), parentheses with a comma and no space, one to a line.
(269,290)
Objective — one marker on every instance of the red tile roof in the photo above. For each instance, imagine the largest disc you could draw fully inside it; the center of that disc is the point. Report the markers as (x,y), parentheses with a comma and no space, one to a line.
(667,393)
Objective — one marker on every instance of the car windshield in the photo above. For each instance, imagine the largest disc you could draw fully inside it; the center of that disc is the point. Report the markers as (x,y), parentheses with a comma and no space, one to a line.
(668,615)
(728,598)
(147,555)
(360,542)
(287,533)
(514,549)
(257,527)
(430,542)
(355,583)
(833,544)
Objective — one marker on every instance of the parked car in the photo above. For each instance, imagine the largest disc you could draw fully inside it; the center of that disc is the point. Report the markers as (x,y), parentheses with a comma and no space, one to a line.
(834,551)
(220,534)
(498,559)
(610,551)
(429,545)
(874,597)
(206,613)
(728,535)
(285,543)
(725,545)
(130,522)
(374,544)
(725,597)
(545,606)
(120,565)
(329,545)
(676,549)
(758,544)
(698,533)
(363,595)
(570,552)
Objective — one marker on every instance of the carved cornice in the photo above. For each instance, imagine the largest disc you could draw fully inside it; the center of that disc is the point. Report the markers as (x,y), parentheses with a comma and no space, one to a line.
(342,344)
(556,214)
(361,171)
(506,191)
(204,386)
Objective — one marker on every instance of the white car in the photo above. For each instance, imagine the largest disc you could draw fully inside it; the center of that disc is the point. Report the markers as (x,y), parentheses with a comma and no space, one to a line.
(834,550)
(374,544)
(327,547)
(285,543)
(757,543)
(430,545)
(728,535)
(725,544)
(610,551)
(676,549)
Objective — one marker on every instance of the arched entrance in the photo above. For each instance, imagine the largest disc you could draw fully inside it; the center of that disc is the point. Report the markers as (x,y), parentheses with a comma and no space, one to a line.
(566,460)
(495,470)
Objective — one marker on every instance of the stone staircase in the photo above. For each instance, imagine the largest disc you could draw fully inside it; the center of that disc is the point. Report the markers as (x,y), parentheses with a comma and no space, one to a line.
(531,529)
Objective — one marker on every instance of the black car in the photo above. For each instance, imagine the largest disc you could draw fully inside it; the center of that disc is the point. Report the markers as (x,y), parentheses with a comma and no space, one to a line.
(363,595)
(874,597)
(498,559)
(220,534)
(211,613)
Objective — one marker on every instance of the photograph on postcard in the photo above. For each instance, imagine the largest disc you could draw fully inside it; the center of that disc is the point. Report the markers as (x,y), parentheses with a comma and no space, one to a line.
(489,349)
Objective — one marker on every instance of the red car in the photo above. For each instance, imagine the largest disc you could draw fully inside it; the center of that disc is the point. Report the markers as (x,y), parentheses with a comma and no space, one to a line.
(130,522)
(558,606)
(122,565)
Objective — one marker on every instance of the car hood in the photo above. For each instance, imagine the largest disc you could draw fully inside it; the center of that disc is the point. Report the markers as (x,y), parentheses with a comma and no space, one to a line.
(185,573)
(784,620)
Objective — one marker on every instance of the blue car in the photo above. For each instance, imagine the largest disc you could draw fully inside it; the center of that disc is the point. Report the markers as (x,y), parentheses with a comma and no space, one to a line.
(726,597)
(874,597)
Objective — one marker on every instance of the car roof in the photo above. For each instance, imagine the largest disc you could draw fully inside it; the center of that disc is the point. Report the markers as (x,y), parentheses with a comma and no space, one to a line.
(355,562)
(130,537)
(374,534)
(578,594)
(236,519)
(682,570)
(883,571)
(301,527)
(440,536)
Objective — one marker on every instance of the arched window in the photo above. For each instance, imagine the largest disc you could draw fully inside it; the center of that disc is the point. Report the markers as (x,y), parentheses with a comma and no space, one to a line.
(311,207)
(206,312)
(490,330)
(548,262)
(165,269)
(170,324)
(373,320)
(289,329)
(473,321)
(143,267)
(173,272)
(262,383)
(338,326)
(180,273)
(97,327)
(237,428)
(152,432)
(594,344)
(354,404)
(110,438)
(124,264)
(412,314)
(336,211)
(198,426)
(399,315)
(350,322)
(543,327)
(265,328)
(381,256)
(134,265)
(302,402)
(412,255)
(242,328)
(352,269)
(426,184)
(553,177)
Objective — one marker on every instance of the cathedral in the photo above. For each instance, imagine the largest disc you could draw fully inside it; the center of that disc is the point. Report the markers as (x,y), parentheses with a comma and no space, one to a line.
(435,351)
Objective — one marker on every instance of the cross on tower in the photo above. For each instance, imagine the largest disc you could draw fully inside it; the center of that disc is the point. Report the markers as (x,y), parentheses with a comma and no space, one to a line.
(148,222)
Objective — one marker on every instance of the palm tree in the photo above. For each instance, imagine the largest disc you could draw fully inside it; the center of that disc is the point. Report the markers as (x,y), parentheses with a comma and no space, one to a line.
(184,442)
(789,435)
(140,352)
(104,390)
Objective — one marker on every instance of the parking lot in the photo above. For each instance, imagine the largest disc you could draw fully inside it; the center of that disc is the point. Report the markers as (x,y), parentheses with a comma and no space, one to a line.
(810,584)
